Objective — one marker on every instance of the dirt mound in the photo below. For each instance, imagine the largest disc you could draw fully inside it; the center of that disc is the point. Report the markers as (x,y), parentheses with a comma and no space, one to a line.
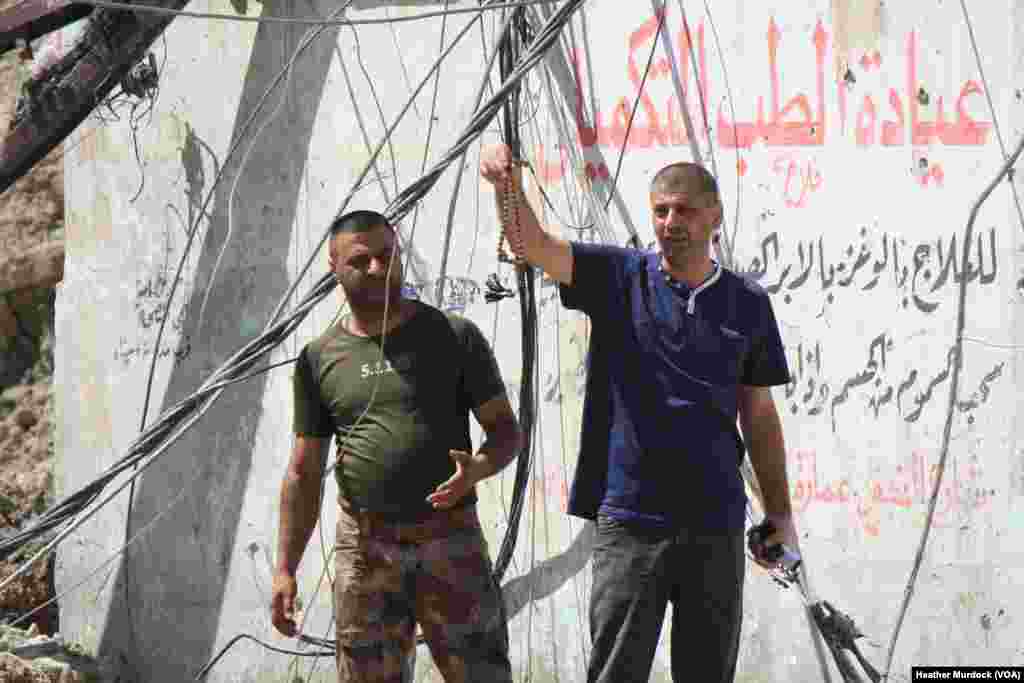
(26,451)
(31,214)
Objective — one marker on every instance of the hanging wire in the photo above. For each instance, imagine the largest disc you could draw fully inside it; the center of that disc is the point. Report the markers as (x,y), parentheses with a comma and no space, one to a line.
(153,9)
(74,510)
(732,111)
(510,46)
(632,114)
(67,512)
(954,385)
(991,108)
(401,206)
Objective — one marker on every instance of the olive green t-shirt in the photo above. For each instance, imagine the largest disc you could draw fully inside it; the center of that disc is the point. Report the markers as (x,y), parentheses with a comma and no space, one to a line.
(435,368)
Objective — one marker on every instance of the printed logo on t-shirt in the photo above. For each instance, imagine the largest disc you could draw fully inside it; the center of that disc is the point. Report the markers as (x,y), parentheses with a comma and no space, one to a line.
(376,368)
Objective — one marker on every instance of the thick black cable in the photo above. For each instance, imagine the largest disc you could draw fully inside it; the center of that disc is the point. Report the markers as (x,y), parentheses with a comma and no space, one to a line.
(509,48)
(544,39)
(153,442)
(77,502)
(400,206)
(201,674)
(157,434)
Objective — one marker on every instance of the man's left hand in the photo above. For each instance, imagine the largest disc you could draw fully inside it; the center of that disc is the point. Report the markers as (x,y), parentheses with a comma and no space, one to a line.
(466,476)
(785,533)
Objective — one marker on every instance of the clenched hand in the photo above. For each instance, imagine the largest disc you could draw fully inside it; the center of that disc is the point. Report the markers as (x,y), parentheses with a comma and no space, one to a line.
(282,604)
(496,163)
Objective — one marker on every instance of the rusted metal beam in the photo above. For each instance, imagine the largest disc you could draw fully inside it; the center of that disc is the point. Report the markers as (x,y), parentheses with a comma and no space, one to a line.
(29,20)
(59,99)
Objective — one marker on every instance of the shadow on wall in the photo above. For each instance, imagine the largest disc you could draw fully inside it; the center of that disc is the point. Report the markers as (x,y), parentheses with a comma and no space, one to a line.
(551,574)
(169,592)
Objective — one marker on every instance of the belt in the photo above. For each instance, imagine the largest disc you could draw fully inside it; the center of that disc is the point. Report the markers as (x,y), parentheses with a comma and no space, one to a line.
(438,524)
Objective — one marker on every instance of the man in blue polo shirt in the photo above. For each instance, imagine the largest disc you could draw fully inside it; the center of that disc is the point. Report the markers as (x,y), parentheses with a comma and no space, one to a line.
(681,348)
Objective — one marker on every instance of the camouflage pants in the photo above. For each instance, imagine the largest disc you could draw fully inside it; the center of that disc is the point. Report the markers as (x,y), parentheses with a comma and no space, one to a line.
(437,573)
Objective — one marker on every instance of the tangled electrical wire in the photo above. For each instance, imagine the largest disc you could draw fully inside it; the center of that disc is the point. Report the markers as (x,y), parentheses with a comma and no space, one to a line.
(513,42)
(138,91)
(65,517)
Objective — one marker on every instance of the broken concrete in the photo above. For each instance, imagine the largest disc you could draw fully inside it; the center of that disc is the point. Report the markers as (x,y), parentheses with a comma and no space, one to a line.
(28,657)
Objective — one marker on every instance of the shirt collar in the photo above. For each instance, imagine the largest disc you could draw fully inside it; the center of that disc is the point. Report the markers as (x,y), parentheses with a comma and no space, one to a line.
(683,288)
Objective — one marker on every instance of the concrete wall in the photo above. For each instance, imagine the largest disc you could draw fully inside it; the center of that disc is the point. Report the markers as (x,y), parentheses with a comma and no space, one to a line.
(850,140)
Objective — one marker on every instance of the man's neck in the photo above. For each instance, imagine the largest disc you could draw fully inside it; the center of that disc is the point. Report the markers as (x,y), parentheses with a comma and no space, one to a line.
(371,322)
(692,271)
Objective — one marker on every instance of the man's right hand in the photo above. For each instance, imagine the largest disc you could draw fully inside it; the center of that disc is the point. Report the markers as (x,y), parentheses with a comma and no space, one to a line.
(495,163)
(282,604)
(550,254)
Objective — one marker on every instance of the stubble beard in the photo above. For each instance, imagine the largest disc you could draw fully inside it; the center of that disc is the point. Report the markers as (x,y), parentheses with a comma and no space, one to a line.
(372,301)
(676,253)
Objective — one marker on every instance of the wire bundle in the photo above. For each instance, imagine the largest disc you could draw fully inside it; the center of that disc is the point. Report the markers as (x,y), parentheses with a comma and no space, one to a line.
(512,42)
(70,513)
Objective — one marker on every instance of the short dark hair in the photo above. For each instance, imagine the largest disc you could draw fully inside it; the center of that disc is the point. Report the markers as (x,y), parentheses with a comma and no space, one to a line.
(684,174)
(362,220)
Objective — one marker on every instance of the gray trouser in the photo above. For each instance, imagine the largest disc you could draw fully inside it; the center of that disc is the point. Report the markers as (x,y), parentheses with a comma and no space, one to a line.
(636,573)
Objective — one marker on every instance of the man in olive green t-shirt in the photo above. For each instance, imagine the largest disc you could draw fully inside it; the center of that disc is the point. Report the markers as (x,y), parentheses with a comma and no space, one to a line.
(394,383)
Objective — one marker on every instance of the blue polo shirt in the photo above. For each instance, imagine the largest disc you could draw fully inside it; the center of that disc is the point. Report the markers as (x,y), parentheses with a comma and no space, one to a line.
(659,440)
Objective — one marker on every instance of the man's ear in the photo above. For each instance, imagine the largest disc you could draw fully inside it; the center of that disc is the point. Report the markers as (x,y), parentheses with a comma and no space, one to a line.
(332,255)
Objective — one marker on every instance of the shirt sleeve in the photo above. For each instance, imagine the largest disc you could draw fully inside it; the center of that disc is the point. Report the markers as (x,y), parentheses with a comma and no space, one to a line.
(598,276)
(311,417)
(766,364)
(481,377)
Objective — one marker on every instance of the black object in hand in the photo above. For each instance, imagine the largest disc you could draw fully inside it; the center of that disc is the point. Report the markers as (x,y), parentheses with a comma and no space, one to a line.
(778,554)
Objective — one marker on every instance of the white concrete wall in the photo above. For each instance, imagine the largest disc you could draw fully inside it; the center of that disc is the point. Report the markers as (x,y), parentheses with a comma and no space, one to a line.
(868,337)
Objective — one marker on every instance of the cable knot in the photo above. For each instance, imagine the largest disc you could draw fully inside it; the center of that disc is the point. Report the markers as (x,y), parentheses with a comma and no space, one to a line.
(495,290)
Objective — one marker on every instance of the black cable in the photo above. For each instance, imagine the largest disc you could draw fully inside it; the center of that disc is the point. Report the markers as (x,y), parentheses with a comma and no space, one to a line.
(522,36)
(634,238)
(154,441)
(542,42)
(402,204)
(201,674)
(155,437)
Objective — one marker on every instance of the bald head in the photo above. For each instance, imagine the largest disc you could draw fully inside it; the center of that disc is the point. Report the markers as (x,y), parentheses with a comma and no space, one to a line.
(684,177)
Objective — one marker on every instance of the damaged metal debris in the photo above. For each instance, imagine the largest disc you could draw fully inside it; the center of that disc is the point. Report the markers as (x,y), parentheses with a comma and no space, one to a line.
(110,52)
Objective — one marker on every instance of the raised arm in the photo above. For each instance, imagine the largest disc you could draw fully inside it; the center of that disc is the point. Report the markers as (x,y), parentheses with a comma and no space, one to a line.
(551,254)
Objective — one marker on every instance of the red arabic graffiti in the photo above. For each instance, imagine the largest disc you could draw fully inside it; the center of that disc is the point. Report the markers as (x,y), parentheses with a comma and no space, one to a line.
(793,123)
(778,131)
(801,179)
(909,488)
(553,486)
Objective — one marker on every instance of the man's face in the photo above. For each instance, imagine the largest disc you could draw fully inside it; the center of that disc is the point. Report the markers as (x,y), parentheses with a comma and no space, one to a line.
(684,220)
(361,261)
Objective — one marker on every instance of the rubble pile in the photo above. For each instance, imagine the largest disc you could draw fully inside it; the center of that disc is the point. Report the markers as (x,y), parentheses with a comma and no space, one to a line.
(30,657)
